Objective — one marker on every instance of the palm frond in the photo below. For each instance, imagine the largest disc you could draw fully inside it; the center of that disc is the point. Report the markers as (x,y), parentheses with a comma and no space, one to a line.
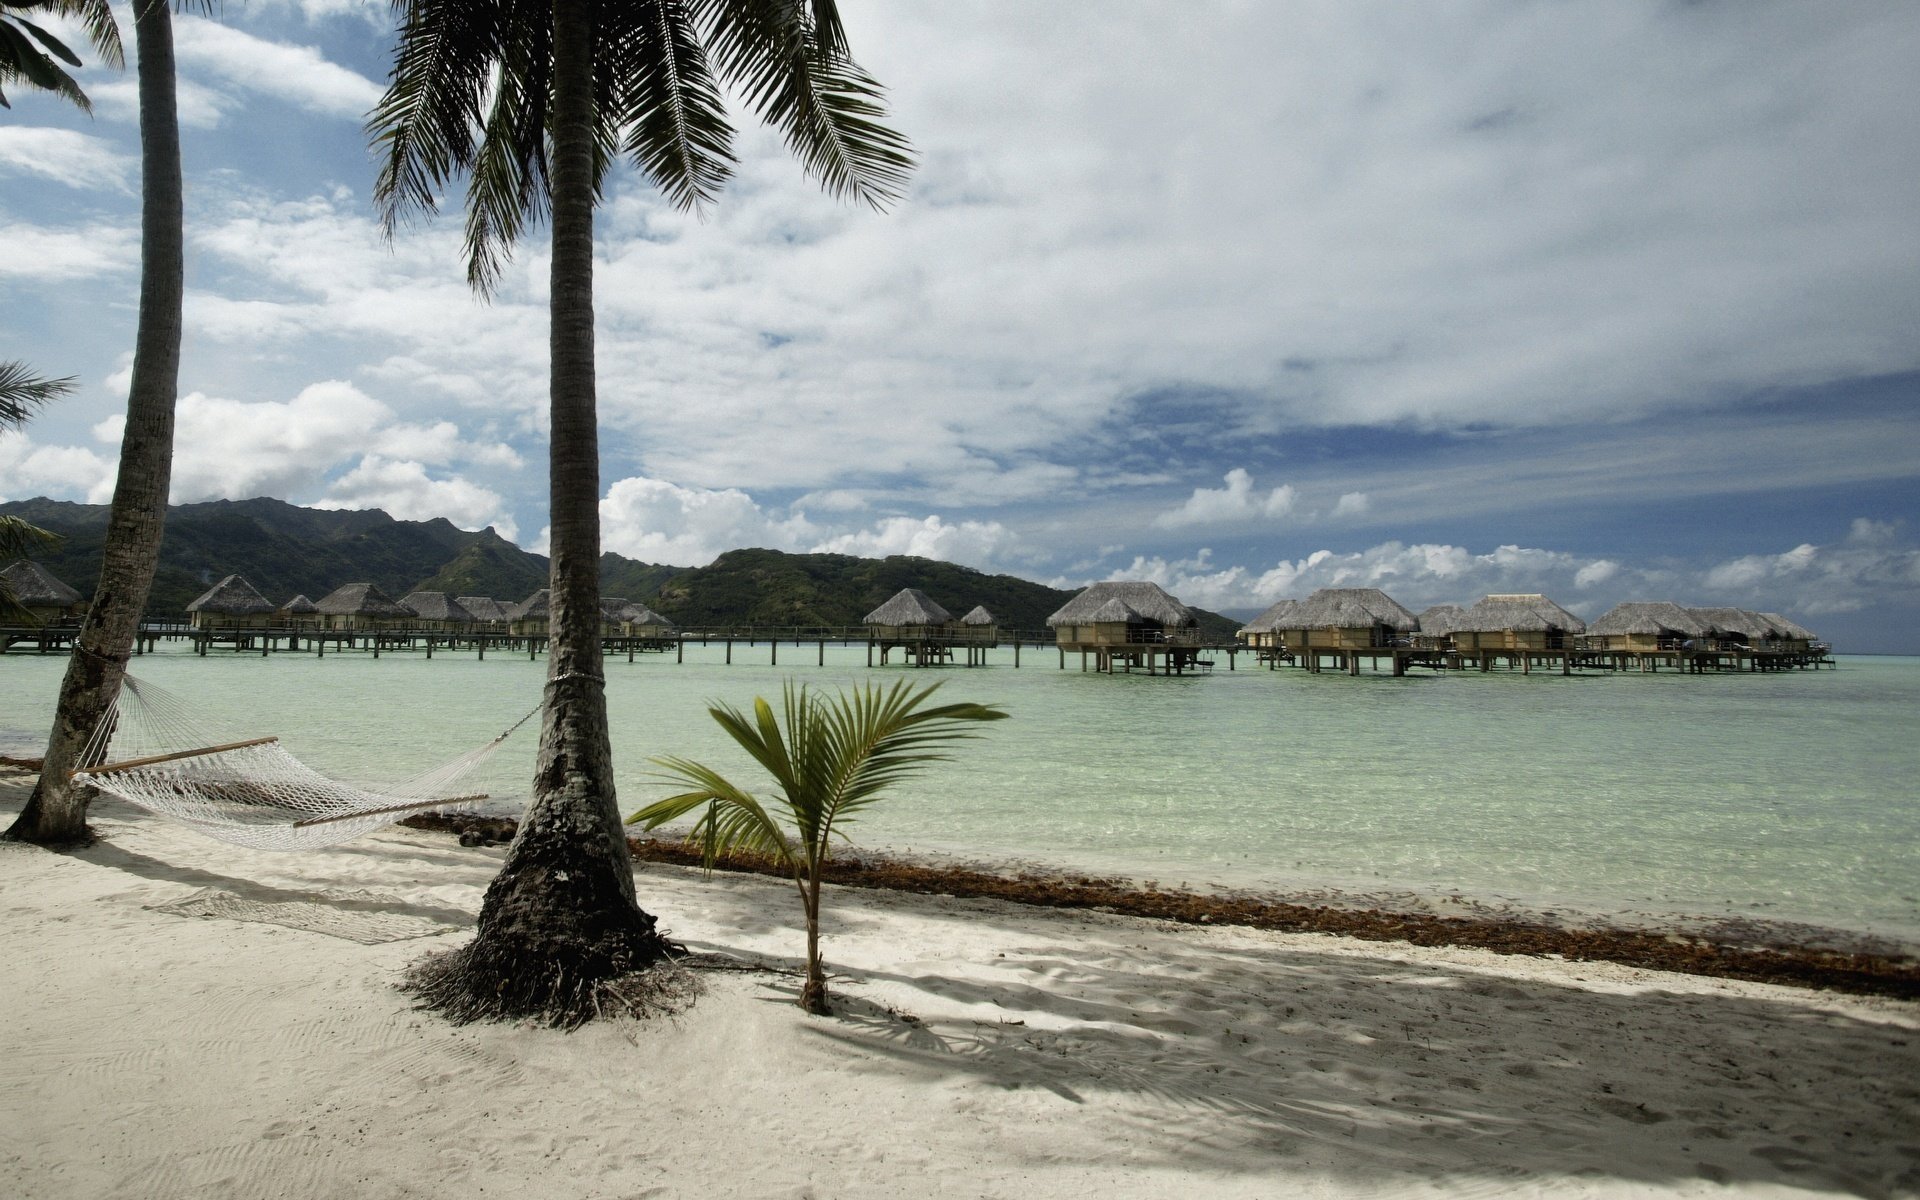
(789,58)
(103,32)
(424,125)
(507,187)
(21,391)
(678,134)
(734,819)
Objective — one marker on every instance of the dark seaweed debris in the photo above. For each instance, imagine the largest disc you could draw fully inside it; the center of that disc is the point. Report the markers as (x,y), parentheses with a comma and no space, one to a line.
(1855,972)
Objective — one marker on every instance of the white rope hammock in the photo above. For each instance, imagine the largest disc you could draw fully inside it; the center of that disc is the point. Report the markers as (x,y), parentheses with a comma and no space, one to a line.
(251,793)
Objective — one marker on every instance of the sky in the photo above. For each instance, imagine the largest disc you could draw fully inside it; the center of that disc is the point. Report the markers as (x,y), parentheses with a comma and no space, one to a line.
(1611,302)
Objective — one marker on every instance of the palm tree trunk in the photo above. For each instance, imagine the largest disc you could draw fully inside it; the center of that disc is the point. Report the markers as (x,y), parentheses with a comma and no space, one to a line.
(57,811)
(813,994)
(560,918)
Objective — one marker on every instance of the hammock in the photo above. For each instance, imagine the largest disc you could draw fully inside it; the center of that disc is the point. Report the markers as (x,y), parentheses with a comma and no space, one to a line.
(251,793)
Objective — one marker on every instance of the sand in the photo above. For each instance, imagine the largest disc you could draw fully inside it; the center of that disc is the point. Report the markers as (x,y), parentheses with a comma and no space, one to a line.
(183,1018)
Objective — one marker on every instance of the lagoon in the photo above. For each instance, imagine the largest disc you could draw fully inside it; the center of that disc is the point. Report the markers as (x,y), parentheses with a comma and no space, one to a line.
(1787,799)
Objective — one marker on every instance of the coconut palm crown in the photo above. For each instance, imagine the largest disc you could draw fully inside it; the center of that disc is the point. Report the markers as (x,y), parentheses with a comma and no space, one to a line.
(472,85)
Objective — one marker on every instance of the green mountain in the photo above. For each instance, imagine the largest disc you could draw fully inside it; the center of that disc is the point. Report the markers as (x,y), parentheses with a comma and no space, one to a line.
(285,550)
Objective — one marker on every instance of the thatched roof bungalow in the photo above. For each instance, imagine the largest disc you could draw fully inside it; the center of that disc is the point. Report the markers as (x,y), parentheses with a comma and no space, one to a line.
(1264,630)
(529,617)
(908,615)
(1645,625)
(34,588)
(233,603)
(637,620)
(978,625)
(298,613)
(487,612)
(360,607)
(1120,612)
(1737,626)
(1791,636)
(1516,621)
(438,612)
(1346,619)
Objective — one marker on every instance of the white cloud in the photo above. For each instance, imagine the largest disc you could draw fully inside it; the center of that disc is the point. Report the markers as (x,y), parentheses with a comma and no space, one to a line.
(59,255)
(405,491)
(971,543)
(77,160)
(1352,504)
(1870,565)
(298,74)
(62,472)
(1595,573)
(199,107)
(660,522)
(1234,503)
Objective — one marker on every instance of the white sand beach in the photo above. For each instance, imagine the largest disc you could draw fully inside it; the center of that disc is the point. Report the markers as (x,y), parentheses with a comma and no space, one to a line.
(181,1018)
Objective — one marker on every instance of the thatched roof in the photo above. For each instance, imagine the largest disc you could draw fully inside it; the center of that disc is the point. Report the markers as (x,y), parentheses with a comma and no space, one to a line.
(909,606)
(483,608)
(1790,629)
(300,605)
(1441,618)
(33,586)
(359,600)
(1351,608)
(1114,611)
(231,597)
(1530,612)
(640,614)
(1147,600)
(1737,620)
(438,606)
(1648,617)
(1273,618)
(533,606)
(979,616)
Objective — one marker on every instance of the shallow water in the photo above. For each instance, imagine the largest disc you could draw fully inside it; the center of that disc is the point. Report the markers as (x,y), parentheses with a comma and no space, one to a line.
(1788,798)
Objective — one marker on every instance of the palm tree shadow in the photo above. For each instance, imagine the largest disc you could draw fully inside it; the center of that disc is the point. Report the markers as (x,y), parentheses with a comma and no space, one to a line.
(1249,1060)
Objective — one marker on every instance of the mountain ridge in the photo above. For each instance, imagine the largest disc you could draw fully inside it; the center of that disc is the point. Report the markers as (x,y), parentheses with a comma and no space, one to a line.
(286,550)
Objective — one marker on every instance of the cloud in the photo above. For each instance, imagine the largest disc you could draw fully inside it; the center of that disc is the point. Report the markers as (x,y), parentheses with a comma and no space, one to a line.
(77,160)
(1352,504)
(660,522)
(199,107)
(970,543)
(300,75)
(1234,503)
(1872,565)
(60,255)
(62,472)
(405,491)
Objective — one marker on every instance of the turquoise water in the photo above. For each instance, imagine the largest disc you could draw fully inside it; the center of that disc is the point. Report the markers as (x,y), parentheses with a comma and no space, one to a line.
(1787,798)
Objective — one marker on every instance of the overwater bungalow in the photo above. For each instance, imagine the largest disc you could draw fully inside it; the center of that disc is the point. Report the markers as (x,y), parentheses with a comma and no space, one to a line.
(298,613)
(637,620)
(1263,632)
(1645,626)
(1128,623)
(360,608)
(1437,624)
(1792,638)
(1516,621)
(46,599)
(1121,613)
(233,603)
(436,612)
(978,626)
(1347,619)
(909,615)
(529,617)
(489,613)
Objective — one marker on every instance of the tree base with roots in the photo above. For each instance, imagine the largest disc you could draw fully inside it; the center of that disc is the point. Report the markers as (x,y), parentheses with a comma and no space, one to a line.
(557,964)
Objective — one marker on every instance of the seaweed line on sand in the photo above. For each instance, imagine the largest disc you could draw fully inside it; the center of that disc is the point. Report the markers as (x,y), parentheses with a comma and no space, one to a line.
(1860,972)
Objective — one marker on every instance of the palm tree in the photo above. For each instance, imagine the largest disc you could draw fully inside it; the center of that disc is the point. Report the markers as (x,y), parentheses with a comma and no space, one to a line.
(21,391)
(56,813)
(832,760)
(21,60)
(534,101)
